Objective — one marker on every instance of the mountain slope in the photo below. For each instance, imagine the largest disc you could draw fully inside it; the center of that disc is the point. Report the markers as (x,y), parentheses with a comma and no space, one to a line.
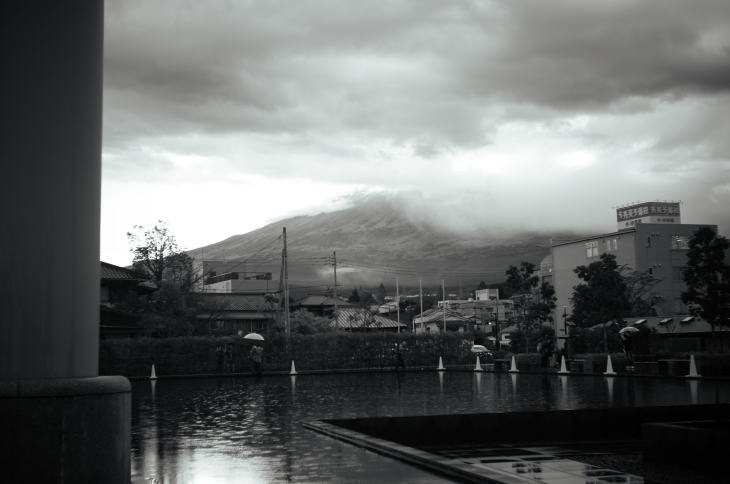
(378,241)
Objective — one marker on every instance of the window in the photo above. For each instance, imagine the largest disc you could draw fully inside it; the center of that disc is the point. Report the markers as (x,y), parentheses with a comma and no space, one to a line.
(592,249)
(615,244)
(680,242)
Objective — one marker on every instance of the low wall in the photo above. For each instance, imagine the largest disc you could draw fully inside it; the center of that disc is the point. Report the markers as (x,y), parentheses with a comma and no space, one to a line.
(581,424)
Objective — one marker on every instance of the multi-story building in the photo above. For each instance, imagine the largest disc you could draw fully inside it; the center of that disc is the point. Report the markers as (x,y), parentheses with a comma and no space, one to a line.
(649,237)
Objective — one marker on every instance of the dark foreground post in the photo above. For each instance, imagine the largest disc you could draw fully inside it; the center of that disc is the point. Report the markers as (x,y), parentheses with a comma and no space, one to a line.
(59,421)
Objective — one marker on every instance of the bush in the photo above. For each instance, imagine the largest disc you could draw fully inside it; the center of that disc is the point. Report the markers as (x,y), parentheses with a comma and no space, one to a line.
(320,351)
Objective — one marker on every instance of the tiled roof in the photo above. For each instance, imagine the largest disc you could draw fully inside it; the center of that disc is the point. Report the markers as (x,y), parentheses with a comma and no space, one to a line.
(239,302)
(323,301)
(437,314)
(355,319)
(110,271)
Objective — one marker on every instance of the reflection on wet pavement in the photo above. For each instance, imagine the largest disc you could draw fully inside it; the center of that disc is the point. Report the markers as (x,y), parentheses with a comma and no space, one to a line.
(249,430)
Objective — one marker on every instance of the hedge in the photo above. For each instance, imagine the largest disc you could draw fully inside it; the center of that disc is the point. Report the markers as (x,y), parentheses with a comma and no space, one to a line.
(338,351)
(324,351)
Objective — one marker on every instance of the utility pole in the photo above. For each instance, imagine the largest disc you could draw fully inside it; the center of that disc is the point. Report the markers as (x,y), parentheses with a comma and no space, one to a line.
(334,258)
(285,257)
(397,303)
(443,295)
(420,299)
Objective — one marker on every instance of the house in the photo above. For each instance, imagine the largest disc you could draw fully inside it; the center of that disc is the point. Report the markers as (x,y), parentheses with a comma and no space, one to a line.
(433,320)
(228,314)
(322,306)
(482,311)
(352,319)
(119,294)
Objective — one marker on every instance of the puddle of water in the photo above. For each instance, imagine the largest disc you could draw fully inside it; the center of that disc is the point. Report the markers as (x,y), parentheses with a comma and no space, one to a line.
(249,430)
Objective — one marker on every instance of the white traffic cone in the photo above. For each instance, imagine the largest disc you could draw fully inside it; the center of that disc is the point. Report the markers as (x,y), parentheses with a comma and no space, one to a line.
(692,368)
(563,367)
(441,365)
(478,366)
(293,370)
(609,367)
(513,367)
(153,375)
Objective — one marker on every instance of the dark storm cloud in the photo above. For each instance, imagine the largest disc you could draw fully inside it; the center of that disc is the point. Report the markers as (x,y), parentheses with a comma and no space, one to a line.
(435,74)
(335,91)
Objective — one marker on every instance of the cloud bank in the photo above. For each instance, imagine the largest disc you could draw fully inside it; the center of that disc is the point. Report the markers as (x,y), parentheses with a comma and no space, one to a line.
(529,114)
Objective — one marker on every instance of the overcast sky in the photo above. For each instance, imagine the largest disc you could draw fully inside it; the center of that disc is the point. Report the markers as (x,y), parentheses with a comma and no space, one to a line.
(222,116)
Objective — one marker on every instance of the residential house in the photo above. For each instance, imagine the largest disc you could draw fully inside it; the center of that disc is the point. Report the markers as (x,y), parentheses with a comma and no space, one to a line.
(322,306)
(229,314)
(119,294)
(352,319)
(433,321)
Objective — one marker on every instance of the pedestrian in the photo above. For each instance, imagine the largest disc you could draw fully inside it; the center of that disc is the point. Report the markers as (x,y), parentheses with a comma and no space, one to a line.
(218,359)
(231,358)
(628,346)
(256,357)
(399,361)
(545,348)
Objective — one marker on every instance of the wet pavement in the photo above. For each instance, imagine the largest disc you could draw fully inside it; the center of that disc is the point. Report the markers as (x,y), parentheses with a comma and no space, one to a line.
(226,430)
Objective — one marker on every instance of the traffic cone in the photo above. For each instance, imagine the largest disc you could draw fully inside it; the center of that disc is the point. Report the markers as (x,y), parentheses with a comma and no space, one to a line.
(153,375)
(563,368)
(478,366)
(692,368)
(513,367)
(441,365)
(293,370)
(609,367)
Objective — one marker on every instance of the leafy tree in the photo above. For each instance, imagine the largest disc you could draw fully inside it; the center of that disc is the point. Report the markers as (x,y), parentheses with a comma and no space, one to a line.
(482,285)
(305,322)
(354,297)
(602,297)
(172,309)
(155,250)
(708,278)
(367,299)
(639,285)
(380,294)
(533,304)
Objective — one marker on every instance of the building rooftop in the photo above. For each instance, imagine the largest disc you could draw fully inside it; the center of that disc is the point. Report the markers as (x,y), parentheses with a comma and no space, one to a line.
(356,319)
(112,272)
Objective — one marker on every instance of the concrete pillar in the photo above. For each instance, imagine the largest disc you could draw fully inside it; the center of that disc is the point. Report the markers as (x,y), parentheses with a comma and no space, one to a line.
(61,422)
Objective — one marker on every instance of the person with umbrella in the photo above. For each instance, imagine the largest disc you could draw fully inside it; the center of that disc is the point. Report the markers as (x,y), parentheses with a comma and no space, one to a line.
(256,353)
(626,334)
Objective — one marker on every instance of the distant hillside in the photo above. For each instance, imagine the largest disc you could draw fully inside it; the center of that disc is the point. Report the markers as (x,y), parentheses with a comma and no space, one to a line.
(377,242)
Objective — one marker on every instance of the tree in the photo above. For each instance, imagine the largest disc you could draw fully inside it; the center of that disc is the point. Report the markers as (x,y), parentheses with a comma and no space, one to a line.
(602,297)
(380,294)
(639,285)
(154,250)
(354,297)
(708,278)
(533,304)
(304,322)
(172,309)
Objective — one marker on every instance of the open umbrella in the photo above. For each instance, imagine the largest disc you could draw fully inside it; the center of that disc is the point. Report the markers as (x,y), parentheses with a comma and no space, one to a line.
(479,349)
(254,337)
(628,330)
